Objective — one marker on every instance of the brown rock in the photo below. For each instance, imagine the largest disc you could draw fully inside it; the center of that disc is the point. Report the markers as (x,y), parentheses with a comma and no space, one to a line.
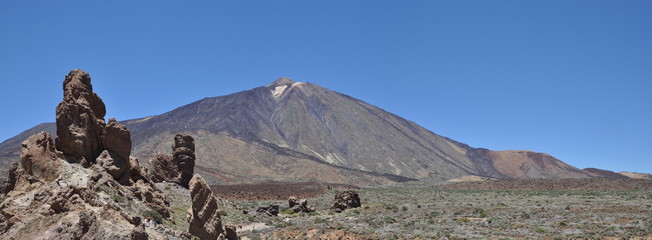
(139,233)
(162,168)
(115,165)
(299,205)
(177,168)
(230,232)
(153,197)
(184,157)
(8,180)
(117,139)
(136,172)
(80,119)
(205,219)
(39,158)
(345,200)
(271,210)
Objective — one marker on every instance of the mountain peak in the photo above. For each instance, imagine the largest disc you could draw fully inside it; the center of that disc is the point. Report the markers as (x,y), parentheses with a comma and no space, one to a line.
(281,81)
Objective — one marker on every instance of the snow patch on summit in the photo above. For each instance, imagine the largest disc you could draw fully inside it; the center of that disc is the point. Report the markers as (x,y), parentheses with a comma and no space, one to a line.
(278,91)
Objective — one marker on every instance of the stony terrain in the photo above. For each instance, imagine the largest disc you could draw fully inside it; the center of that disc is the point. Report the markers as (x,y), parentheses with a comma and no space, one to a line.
(436,211)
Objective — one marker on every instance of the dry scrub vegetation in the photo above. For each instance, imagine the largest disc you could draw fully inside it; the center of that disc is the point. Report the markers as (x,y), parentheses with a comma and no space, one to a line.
(436,211)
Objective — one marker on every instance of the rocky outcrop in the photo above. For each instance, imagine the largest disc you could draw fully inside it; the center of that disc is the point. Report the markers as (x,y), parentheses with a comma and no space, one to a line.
(80,119)
(345,200)
(179,167)
(299,205)
(115,159)
(151,196)
(38,157)
(271,210)
(8,180)
(204,217)
(100,198)
(184,157)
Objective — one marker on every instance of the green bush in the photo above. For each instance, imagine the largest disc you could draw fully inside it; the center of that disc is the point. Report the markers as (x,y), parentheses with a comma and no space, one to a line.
(287,211)
(539,230)
(118,198)
(313,213)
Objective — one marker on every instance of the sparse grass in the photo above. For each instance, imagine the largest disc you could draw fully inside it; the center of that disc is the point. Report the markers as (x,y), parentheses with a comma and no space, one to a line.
(413,211)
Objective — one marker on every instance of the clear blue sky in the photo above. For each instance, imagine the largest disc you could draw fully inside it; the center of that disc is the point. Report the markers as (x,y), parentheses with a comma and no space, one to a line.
(569,78)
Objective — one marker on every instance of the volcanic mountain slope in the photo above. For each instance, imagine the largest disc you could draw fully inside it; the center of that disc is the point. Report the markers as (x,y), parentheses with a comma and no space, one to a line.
(292,130)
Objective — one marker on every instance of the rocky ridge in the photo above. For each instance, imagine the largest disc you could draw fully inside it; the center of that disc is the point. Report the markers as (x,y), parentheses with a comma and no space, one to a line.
(86,184)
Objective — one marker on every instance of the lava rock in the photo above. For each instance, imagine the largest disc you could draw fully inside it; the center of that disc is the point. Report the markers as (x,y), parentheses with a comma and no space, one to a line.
(38,157)
(177,168)
(271,210)
(80,119)
(205,220)
(299,205)
(345,200)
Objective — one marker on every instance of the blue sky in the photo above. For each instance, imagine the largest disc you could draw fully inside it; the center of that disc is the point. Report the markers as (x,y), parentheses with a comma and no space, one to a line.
(569,78)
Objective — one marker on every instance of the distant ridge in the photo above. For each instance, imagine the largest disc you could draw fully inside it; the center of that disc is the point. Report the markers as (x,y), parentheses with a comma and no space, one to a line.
(297,131)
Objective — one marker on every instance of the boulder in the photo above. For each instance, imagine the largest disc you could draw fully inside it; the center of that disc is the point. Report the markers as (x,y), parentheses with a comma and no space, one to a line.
(299,205)
(117,139)
(345,200)
(115,165)
(230,232)
(177,168)
(80,119)
(271,210)
(39,158)
(138,233)
(204,217)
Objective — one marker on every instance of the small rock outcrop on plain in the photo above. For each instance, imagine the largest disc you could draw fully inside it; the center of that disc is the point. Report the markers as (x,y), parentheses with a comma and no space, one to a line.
(345,200)
(204,217)
(299,205)
(271,210)
(80,119)
(179,167)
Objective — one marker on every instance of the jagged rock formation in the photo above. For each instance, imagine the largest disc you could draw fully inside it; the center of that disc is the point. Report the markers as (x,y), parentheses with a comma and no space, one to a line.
(204,216)
(99,198)
(179,167)
(299,205)
(39,158)
(345,200)
(80,119)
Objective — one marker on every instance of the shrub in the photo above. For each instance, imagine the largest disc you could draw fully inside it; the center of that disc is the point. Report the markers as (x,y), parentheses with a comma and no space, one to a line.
(287,211)
(118,198)
(223,213)
(539,230)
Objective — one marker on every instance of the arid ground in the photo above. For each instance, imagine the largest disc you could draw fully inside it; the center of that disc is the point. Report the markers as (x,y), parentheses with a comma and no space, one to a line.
(534,209)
